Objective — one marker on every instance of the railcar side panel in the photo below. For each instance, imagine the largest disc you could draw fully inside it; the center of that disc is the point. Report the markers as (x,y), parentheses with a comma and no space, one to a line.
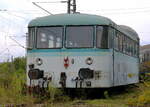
(126,69)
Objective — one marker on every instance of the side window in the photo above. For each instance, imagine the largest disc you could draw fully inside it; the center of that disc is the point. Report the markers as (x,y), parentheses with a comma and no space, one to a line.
(137,49)
(128,46)
(124,43)
(110,36)
(116,42)
(30,39)
(120,42)
(132,48)
(102,37)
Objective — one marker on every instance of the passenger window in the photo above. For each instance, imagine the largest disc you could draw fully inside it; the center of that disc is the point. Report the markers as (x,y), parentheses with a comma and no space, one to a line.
(120,41)
(102,37)
(124,44)
(116,42)
(137,49)
(110,36)
(132,48)
(128,46)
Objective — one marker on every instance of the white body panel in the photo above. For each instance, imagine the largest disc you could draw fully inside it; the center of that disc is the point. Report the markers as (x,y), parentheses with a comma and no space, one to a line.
(126,69)
(103,62)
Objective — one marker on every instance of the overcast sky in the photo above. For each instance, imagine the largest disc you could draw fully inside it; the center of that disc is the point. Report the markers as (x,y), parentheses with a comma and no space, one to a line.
(16,14)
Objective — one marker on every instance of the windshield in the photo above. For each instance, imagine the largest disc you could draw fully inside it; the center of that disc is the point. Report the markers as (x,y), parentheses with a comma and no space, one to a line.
(79,37)
(49,37)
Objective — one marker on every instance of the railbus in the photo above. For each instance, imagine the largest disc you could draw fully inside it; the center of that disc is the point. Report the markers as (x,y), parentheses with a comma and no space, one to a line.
(81,51)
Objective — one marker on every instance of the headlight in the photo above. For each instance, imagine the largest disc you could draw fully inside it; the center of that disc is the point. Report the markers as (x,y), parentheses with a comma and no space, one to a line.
(39,61)
(89,61)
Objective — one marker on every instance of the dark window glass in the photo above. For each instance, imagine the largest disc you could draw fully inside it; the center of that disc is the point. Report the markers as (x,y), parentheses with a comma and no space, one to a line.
(102,37)
(134,51)
(128,47)
(132,48)
(30,38)
(79,37)
(49,37)
(116,42)
(120,41)
(137,49)
(110,36)
(124,44)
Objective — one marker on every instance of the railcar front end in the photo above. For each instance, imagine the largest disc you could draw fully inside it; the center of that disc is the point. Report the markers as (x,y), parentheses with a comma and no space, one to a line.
(80,51)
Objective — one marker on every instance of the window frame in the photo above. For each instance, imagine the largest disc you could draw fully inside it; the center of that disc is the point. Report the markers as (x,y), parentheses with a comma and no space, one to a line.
(111,37)
(104,26)
(127,44)
(116,46)
(29,37)
(93,36)
(62,37)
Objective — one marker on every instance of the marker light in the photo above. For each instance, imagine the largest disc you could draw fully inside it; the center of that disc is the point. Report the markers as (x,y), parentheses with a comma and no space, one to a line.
(89,61)
(39,61)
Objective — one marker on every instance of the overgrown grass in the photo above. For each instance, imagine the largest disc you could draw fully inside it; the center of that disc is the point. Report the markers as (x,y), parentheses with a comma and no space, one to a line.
(142,98)
(13,91)
(12,83)
(134,96)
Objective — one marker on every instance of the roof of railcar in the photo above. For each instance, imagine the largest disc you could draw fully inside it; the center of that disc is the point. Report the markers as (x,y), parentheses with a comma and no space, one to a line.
(79,19)
(128,31)
(70,19)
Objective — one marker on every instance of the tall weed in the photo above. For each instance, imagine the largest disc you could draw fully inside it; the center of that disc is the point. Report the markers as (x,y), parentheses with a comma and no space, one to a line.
(12,80)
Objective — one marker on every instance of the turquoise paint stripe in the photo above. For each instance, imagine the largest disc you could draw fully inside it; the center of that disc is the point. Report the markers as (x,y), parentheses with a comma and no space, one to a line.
(70,54)
(68,50)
